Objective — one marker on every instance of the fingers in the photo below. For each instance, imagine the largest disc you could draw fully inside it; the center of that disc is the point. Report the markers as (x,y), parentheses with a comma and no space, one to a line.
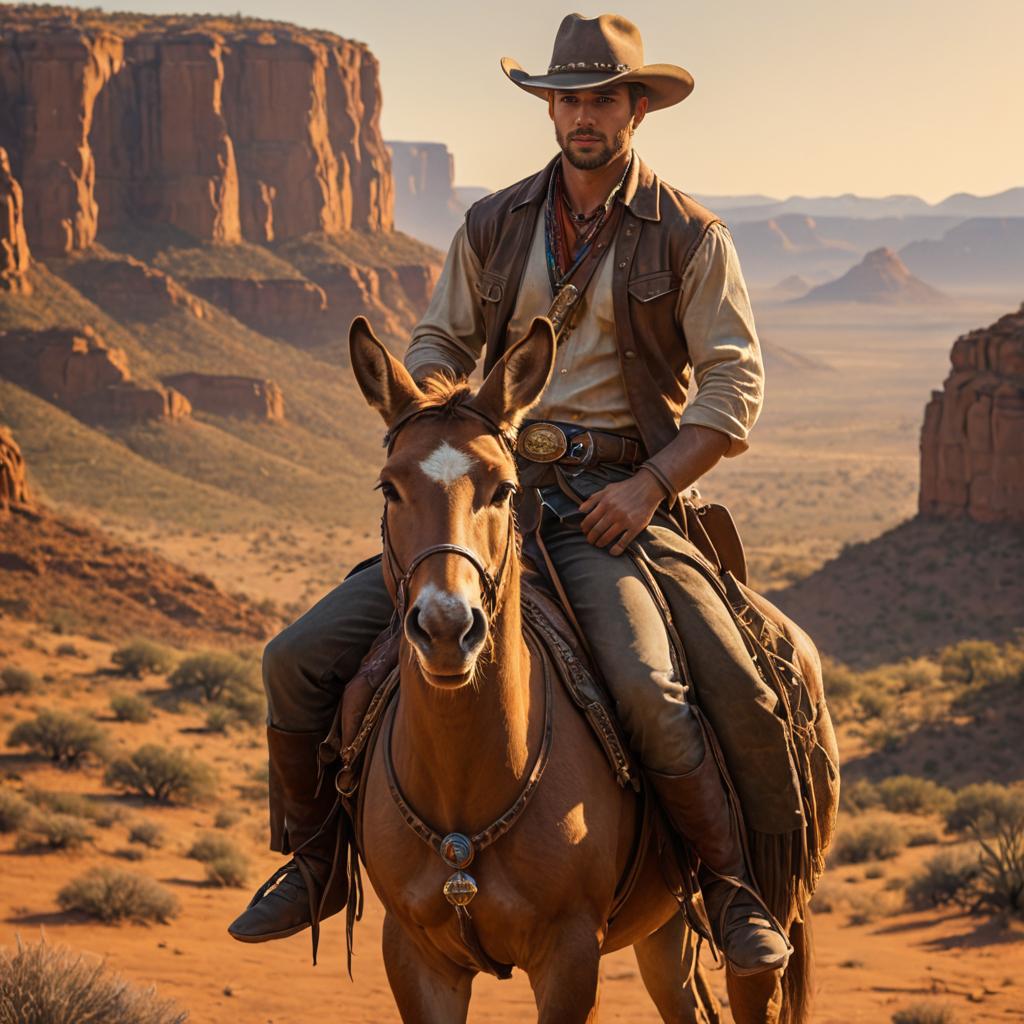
(624,541)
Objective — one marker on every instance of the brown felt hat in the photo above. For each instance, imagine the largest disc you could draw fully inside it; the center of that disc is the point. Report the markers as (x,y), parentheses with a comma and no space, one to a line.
(593,52)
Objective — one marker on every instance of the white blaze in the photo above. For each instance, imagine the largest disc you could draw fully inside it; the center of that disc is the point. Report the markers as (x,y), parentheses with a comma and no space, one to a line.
(446,464)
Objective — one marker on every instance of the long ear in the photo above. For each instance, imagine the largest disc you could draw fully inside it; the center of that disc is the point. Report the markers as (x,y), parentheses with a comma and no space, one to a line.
(385,383)
(516,382)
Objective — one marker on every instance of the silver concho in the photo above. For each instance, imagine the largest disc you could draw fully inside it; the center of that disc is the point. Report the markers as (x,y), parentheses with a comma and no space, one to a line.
(457,850)
(460,889)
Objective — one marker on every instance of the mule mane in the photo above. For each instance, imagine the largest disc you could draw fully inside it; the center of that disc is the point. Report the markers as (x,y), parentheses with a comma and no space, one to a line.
(445,394)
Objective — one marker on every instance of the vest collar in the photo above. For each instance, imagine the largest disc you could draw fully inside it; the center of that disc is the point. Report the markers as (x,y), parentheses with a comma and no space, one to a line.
(640,191)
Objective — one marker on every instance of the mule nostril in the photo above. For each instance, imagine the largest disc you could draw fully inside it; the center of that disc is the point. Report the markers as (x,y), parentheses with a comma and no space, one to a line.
(475,634)
(414,631)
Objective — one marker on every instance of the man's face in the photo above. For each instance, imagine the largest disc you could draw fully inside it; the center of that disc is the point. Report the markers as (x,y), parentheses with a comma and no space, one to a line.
(594,127)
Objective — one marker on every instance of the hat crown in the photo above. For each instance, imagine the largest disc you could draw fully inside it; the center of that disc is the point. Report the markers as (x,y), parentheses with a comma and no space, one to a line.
(608,42)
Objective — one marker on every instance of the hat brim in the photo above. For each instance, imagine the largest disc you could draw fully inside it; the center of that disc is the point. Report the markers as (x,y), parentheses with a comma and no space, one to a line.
(664,84)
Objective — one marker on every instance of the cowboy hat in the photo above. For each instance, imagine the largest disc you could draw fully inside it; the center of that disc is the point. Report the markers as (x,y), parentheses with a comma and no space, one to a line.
(591,53)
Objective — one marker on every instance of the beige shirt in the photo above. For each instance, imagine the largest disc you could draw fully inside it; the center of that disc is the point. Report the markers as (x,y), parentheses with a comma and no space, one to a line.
(713,310)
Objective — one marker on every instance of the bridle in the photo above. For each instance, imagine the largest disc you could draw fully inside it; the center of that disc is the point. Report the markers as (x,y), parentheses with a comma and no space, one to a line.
(490,582)
(457,849)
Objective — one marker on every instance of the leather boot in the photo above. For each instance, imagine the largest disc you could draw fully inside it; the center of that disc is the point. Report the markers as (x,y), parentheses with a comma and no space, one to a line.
(305,821)
(699,809)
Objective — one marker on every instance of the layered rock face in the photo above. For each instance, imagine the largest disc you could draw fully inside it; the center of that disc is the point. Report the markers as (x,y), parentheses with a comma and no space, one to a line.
(972,441)
(77,370)
(222,130)
(231,396)
(14,252)
(286,307)
(14,491)
(131,290)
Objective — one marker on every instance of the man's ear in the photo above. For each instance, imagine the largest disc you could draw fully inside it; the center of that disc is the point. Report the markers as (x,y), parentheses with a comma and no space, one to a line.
(516,382)
(384,381)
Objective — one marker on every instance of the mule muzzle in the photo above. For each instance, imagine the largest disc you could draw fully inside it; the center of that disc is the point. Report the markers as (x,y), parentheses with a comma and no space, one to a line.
(447,634)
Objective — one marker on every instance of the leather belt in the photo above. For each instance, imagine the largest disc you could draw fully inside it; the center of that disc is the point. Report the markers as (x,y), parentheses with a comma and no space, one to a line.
(544,441)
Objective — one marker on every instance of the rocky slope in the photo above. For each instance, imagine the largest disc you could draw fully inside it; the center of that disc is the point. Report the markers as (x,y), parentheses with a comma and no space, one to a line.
(208,204)
(972,441)
(56,570)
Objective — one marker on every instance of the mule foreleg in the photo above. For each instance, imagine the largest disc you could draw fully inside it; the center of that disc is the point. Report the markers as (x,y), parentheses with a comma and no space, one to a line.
(755,998)
(429,989)
(565,976)
(674,978)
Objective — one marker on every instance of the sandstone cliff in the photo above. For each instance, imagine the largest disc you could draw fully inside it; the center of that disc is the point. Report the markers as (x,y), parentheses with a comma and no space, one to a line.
(231,396)
(14,491)
(14,251)
(222,128)
(426,204)
(972,441)
(77,370)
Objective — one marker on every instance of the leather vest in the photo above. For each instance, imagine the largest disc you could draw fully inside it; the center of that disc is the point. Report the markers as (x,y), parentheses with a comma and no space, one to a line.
(659,233)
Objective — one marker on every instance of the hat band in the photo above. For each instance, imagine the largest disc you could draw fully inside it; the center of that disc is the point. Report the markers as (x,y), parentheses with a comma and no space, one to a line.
(556,69)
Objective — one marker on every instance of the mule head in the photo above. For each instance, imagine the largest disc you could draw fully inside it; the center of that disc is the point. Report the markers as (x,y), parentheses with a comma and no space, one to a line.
(449,480)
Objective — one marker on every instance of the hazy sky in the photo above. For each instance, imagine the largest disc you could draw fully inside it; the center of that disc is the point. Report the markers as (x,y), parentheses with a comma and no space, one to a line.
(792,96)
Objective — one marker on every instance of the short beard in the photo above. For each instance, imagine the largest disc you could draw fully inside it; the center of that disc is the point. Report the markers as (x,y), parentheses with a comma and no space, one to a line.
(603,156)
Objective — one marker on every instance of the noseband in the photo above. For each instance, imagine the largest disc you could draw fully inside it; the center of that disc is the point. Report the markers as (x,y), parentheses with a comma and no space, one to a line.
(490,583)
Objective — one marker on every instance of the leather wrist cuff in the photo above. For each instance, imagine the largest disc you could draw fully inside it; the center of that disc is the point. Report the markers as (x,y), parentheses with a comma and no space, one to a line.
(671,496)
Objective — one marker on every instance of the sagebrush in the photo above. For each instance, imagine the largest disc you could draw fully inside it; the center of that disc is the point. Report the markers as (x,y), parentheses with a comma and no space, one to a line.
(43,984)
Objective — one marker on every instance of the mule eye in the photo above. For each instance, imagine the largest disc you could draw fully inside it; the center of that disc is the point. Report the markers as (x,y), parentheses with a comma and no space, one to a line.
(389,490)
(505,491)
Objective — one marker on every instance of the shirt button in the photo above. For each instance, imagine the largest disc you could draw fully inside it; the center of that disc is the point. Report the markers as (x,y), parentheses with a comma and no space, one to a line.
(563,371)
(622,263)
(629,354)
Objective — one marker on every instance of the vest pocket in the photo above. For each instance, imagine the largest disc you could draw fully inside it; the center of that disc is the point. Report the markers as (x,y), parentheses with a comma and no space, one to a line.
(647,287)
(490,286)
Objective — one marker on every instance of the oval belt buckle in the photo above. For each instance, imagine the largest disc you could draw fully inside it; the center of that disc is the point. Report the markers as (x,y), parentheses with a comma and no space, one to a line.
(542,442)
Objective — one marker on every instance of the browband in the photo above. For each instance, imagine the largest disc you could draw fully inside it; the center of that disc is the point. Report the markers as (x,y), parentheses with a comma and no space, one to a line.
(416,411)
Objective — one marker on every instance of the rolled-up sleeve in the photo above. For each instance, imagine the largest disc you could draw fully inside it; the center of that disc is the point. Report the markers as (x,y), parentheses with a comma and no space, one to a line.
(451,333)
(715,315)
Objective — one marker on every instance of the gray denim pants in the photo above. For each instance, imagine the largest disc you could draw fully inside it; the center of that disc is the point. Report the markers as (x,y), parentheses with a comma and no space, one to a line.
(306,666)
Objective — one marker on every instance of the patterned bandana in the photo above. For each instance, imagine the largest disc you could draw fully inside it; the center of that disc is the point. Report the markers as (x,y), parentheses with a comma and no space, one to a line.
(563,254)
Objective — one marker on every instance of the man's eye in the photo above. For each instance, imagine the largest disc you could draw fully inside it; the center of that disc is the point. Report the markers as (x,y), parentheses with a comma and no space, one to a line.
(504,491)
(389,491)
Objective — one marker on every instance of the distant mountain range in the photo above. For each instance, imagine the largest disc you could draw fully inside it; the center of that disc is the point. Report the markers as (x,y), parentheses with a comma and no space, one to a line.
(964,241)
(745,208)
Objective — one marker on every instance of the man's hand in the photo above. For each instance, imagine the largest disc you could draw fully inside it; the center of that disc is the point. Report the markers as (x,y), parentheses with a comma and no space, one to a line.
(619,512)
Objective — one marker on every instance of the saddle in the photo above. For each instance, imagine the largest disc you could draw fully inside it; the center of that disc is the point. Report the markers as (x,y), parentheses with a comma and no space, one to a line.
(346,752)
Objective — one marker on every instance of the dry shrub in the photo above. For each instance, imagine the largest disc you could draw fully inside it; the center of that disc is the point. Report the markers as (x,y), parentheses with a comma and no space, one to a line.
(163,774)
(213,674)
(872,837)
(14,810)
(945,878)
(18,680)
(924,1013)
(146,833)
(979,663)
(43,984)
(231,870)
(113,894)
(53,832)
(909,794)
(210,846)
(226,817)
(141,657)
(980,806)
(68,740)
(129,708)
